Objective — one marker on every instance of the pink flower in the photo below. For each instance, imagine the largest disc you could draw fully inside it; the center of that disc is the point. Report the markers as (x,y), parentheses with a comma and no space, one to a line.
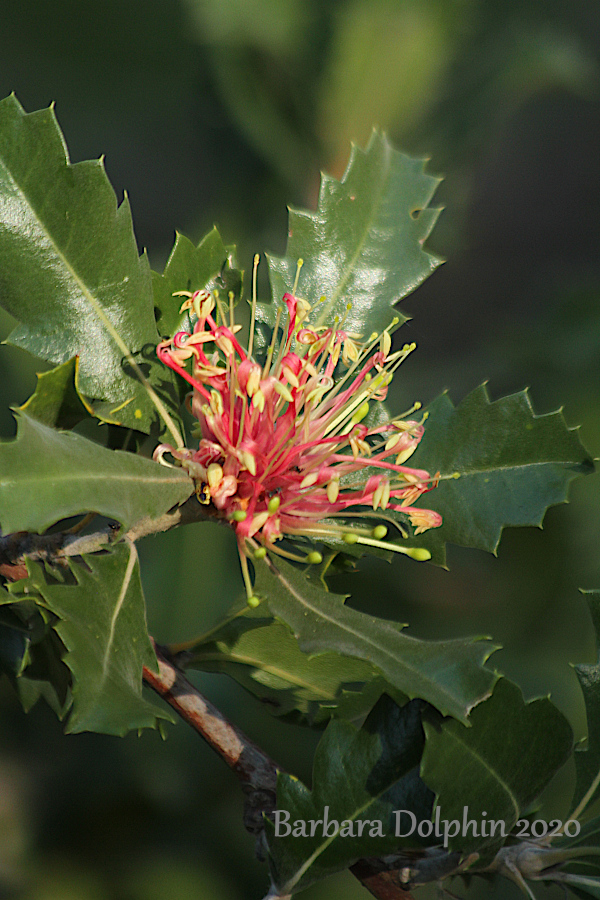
(284,450)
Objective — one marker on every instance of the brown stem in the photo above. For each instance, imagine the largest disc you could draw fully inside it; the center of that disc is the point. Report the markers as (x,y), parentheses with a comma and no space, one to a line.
(15,547)
(256,771)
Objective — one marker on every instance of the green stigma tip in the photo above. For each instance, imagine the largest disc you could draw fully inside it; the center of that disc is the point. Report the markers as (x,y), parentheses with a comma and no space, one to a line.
(239,515)
(260,553)
(273,505)
(350,538)
(379,532)
(419,553)
(253,602)
(314,558)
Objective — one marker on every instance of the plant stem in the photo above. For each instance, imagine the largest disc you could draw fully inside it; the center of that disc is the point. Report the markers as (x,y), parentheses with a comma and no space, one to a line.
(255,769)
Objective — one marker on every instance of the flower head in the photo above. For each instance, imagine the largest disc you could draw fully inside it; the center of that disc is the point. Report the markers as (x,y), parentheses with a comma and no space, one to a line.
(284,449)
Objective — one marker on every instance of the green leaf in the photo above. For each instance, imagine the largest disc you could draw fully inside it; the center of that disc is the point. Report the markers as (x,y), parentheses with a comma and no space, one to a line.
(208,266)
(56,401)
(364,244)
(263,656)
(587,761)
(358,776)
(71,275)
(45,675)
(499,765)
(47,475)
(513,465)
(102,624)
(31,652)
(448,674)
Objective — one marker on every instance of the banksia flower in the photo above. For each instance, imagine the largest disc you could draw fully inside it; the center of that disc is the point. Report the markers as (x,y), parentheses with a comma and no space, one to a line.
(284,449)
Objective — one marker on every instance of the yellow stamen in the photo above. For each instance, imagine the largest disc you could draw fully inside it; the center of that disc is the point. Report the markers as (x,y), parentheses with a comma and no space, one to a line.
(214,476)
(299,265)
(333,489)
(249,461)
(283,391)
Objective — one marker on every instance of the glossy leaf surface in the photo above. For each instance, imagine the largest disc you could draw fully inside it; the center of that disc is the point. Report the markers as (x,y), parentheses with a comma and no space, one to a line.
(364,244)
(55,401)
(512,464)
(448,674)
(70,272)
(208,266)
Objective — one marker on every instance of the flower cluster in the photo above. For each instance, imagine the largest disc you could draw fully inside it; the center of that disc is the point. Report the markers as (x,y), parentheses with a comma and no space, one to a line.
(284,450)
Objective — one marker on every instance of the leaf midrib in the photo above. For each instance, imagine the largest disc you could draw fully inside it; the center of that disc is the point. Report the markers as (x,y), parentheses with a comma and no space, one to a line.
(509,468)
(54,478)
(95,305)
(326,311)
(394,659)
(485,765)
(265,667)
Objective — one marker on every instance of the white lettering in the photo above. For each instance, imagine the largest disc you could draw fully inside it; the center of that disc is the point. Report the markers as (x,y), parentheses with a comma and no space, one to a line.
(299,828)
(467,824)
(278,822)
(314,825)
(447,826)
(398,813)
(425,828)
(494,824)
(327,824)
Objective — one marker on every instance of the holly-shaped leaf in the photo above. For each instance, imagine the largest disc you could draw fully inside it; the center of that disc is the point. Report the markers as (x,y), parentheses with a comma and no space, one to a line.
(512,465)
(448,674)
(71,275)
(31,652)
(209,266)
(102,624)
(496,767)
(587,760)
(364,244)
(48,475)
(359,778)
(262,654)
(56,401)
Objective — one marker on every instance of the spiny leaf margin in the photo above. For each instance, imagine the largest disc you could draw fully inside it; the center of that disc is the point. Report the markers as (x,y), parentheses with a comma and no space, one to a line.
(70,273)
(362,249)
(512,463)
(48,475)
(448,674)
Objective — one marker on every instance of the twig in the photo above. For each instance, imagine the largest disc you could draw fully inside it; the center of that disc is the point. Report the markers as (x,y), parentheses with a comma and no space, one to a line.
(256,771)
(15,547)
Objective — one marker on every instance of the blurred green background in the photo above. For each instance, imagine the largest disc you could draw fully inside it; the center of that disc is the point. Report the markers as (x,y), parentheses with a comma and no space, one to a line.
(223,111)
